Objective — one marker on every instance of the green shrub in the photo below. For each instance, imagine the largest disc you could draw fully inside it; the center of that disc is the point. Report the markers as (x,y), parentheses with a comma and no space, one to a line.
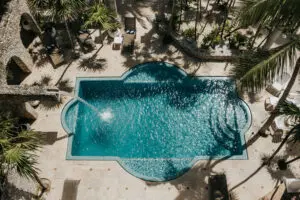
(237,40)
(189,33)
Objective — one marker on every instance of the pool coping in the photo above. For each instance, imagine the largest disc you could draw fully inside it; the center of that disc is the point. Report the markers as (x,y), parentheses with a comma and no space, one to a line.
(243,156)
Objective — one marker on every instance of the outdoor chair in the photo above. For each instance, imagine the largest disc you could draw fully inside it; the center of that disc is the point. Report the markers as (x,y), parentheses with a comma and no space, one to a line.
(130,33)
(278,85)
(218,187)
(281,124)
(85,41)
(271,102)
(128,43)
(57,57)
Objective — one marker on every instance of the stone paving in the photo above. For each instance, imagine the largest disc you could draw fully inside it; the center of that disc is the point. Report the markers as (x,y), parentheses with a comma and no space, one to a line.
(107,179)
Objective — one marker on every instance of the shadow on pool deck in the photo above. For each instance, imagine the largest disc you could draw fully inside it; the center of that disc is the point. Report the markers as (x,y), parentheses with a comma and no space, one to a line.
(192,185)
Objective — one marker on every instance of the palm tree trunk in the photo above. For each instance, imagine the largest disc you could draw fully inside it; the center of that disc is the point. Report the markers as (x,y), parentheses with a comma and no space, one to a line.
(224,22)
(286,92)
(180,17)
(268,161)
(294,159)
(172,16)
(69,34)
(197,17)
(38,180)
(232,31)
(206,7)
(256,35)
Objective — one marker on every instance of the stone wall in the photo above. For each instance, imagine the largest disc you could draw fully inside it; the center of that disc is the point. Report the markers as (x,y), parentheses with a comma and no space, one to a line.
(11,43)
(11,47)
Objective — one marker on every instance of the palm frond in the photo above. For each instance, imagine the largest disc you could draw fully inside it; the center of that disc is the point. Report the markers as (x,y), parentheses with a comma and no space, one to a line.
(100,15)
(295,132)
(17,149)
(22,161)
(255,70)
(58,10)
(289,108)
(258,11)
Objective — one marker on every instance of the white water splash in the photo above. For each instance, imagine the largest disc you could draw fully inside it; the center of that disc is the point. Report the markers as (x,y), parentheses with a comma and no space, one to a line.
(107,115)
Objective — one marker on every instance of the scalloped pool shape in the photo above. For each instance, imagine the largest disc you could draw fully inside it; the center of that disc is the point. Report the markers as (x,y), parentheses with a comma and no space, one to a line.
(156,121)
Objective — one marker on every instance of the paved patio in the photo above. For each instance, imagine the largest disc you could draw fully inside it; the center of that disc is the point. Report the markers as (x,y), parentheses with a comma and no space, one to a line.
(107,179)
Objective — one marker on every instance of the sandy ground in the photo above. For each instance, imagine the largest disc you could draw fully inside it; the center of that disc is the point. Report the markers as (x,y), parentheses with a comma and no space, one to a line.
(107,179)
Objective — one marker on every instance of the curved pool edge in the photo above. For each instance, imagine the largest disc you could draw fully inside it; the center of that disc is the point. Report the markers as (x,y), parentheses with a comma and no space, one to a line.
(121,162)
(64,114)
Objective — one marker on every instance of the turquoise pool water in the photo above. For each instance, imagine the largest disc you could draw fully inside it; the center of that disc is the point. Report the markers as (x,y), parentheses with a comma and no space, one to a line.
(156,121)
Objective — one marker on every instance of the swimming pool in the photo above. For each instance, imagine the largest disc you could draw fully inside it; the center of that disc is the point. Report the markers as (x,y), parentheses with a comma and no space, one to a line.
(155,120)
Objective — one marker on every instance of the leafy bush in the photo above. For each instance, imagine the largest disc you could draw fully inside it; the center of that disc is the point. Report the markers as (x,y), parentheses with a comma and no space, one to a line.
(212,39)
(189,33)
(237,40)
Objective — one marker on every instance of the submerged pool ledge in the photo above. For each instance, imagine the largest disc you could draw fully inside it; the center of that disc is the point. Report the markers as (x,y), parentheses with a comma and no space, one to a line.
(153,169)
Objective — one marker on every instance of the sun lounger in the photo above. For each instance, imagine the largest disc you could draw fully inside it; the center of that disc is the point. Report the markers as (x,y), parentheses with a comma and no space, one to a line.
(57,57)
(85,41)
(128,42)
(275,89)
(130,33)
(118,40)
(218,187)
(271,102)
(292,185)
(279,84)
(70,190)
(280,124)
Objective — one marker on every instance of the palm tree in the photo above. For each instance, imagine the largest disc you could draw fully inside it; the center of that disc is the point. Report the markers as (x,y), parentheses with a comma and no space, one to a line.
(270,14)
(291,110)
(17,151)
(257,68)
(101,16)
(59,11)
(197,16)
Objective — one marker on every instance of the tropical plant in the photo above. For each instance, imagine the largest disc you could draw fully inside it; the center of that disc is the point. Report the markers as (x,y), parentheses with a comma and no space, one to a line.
(101,16)
(292,112)
(198,11)
(254,70)
(257,68)
(189,33)
(17,151)
(271,15)
(288,109)
(58,11)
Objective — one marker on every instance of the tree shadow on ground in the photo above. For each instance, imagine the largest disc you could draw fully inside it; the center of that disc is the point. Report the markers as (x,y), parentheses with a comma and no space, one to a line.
(273,170)
(292,148)
(12,192)
(49,138)
(152,48)
(65,85)
(45,80)
(93,64)
(51,105)
(193,185)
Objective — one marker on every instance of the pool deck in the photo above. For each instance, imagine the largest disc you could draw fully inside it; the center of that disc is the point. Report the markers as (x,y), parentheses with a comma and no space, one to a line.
(107,179)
